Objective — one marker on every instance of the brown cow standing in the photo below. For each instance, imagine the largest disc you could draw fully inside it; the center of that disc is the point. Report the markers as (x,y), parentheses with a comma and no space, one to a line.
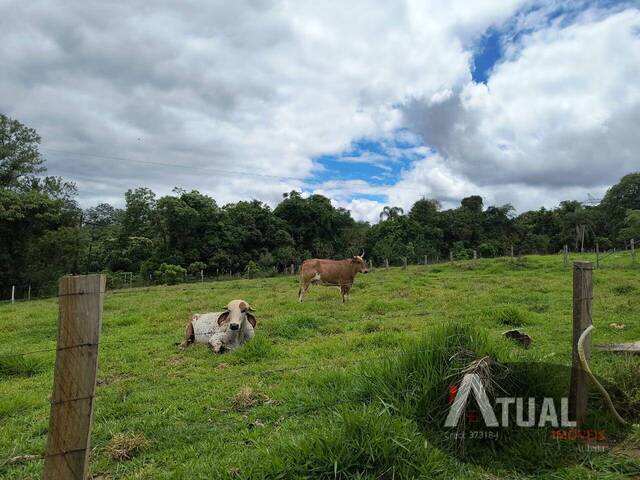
(337,273)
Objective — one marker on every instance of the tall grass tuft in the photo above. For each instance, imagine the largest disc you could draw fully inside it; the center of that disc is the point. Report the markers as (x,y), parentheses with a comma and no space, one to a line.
(256,350)
(354,443)
(21,366)
(415,383)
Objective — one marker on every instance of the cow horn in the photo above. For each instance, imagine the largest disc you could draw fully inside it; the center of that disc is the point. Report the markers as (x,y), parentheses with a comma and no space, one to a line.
(362,254)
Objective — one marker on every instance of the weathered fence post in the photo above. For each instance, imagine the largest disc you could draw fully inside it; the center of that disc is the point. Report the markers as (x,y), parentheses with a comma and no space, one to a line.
(426,258)
(13,294)
(386,263)
(597,255)
(201,276)
(633,251)
(404,263)
(451,255)
(582,299)
(293,271)
(511,251)
(370,264)
(29,293)
(566,256)
(74,382)
(475,255)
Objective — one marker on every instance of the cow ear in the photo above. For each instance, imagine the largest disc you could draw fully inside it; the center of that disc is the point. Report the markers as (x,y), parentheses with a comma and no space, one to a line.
(251,319)
(224,317)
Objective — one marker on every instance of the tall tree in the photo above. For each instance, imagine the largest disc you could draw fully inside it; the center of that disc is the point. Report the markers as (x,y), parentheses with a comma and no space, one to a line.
(20,159)
(623,196)
(391,213)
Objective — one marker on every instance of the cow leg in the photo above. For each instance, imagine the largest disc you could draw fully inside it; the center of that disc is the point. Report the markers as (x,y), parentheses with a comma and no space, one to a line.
(344,291)
(302,291)
(189,337)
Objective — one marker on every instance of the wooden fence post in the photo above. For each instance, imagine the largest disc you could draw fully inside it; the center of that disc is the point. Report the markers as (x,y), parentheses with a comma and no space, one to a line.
(426,262)
(404,263)
(293,272)
(13,294)
(29,293)
(566,256)
(451,255)
(597,255)
(475,255)
(511,251)
(582,299)
(386,263)
(201,276)
(633,251)
(370,264)
(74,383)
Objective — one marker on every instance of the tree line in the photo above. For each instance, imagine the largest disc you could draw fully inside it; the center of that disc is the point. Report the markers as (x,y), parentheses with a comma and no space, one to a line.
(45,234)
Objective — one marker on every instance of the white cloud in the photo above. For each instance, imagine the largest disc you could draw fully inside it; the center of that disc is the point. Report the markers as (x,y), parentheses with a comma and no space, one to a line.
(266,86)
(557,119)
(255,86)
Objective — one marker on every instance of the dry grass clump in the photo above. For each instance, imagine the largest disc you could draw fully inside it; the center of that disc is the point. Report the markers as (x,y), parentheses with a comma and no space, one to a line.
(247,397)
(123,446)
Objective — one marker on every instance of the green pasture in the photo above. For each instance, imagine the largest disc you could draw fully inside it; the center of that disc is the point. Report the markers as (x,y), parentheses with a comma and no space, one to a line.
(325,390)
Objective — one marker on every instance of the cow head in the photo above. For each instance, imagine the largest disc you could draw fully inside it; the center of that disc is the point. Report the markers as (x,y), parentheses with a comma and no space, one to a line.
(237,313)
(359,263)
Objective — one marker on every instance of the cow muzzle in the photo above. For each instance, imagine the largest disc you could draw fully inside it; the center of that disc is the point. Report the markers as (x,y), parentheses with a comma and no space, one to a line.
(234,326)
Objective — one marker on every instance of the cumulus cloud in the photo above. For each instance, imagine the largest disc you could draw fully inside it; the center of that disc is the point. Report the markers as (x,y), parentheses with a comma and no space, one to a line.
(240,99)
(556,119)
(260,86)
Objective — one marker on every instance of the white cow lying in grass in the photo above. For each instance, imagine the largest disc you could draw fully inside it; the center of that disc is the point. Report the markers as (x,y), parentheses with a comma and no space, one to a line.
(222,330)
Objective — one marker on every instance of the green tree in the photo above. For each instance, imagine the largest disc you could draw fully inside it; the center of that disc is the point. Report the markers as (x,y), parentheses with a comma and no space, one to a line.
(315,225)
(170,274)
(20,159)
(391,213)
(631,228)
(623,196)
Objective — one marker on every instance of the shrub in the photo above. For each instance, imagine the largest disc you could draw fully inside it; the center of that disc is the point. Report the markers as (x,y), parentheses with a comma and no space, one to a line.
(251,268)
(196,267)
(170,274)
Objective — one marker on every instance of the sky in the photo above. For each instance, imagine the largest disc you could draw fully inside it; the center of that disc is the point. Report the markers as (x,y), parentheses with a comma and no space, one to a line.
(369,103)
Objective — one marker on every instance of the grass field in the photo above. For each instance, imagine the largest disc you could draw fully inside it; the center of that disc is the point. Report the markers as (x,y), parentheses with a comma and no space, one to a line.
(321,389)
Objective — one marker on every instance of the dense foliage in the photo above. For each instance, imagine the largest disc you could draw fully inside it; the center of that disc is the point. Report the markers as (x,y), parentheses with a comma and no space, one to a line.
(44,233)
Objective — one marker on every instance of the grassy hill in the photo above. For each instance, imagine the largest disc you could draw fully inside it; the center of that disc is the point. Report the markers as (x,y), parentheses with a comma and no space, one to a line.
(325,389)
